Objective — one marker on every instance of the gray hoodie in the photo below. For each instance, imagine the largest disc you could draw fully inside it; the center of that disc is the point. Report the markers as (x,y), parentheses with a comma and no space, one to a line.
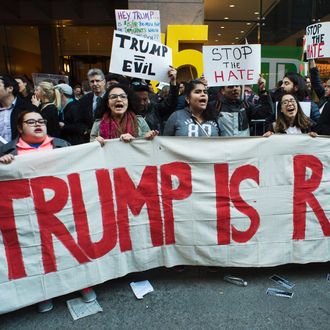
(183,123)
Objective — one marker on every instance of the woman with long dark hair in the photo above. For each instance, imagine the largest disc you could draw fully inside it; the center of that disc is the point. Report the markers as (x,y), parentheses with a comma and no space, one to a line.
(291,118)
(198,118)
(118,119)
(294,83)
(24,88)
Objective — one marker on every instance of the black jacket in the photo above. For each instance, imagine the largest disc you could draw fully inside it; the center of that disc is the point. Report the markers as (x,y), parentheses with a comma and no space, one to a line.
(318,86)
(323,126)
(87,116)
(73,128)
(50,113)
(157,113)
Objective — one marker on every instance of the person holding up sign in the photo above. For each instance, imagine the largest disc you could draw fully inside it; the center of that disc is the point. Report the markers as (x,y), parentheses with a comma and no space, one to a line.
(234,115)
(156,113)
(323,94)
(198,118)
(117,118)
(291,118)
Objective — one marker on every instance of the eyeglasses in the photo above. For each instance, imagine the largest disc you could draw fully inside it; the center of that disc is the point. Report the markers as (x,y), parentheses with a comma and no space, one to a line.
(95,81)
(33,122)
(286,102)
(115,96)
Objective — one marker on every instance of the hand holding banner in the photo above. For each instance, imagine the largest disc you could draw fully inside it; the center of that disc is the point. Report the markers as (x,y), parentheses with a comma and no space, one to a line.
(229,202)
(138,57)
(232,65)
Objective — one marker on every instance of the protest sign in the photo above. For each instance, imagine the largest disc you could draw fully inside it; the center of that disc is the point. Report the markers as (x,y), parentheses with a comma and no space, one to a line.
(54,78)
(232,65)
(229,202)
(144,23)
(138,57)
(318,40)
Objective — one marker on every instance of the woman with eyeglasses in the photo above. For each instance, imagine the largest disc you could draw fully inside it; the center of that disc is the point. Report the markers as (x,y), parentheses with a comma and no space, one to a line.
(291,118)
(198,119)
(32,137)
(118,119)
(294,83)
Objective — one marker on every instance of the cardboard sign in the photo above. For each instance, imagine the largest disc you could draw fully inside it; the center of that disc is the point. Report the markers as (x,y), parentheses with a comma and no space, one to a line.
(232,65)
(229,202)
(144,23)
(318,40)
(139,57)
(53,78)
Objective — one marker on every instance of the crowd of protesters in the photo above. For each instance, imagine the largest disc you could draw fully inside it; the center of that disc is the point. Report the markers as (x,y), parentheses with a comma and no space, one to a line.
(112,106)
(82,113)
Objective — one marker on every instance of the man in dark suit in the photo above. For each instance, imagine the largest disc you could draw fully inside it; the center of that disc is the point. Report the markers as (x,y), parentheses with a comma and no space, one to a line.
(91,102)
(10,106)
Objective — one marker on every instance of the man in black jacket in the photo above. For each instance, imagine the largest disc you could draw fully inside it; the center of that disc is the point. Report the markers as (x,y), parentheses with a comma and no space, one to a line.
(156,113)
(10,106)
(90,103)
(323,126)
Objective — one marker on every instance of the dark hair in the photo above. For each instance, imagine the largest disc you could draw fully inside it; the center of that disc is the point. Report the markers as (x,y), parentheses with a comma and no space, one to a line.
(209,113)
(113,76)
(21,116)
(26,81)
(9,81)
(139,86)
(301,120)
(131,98)
(85,86)
(298,82)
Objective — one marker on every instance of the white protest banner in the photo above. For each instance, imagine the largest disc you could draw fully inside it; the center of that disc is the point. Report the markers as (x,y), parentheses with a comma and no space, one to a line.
(54,78)
(232,65)
(144,23)
(138,57)
(318,40)
(74,217)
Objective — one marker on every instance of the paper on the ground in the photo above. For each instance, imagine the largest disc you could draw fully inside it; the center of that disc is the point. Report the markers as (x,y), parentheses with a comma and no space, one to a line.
(79,309)
(141,288)
(279,293)
(282,281)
